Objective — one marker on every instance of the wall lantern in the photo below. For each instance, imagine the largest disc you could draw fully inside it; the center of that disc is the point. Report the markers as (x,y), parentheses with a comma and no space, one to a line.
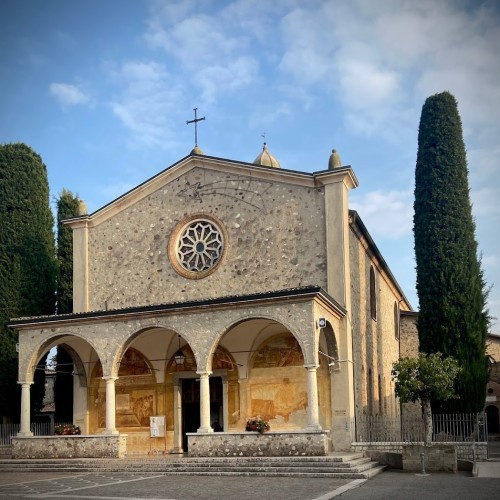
(179,357)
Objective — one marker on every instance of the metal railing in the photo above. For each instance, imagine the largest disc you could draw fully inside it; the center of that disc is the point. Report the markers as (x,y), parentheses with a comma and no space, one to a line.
(446,428)
(7,431)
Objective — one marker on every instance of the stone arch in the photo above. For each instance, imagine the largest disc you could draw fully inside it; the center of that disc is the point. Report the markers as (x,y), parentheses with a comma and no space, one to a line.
(327,334)
(248,318)
(171,331)
(26,369)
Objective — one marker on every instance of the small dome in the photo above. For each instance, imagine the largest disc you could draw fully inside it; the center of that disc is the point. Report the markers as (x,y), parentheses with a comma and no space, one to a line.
(197,151)
(334,161)
(82,208)
(266,158)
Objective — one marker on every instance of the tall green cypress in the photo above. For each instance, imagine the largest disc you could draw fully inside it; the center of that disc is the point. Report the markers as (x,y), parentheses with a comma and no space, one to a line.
(67,207)
(450,282)
(27,256)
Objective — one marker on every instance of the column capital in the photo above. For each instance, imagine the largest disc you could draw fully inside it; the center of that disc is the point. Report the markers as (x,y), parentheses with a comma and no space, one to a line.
(204,373)
(311,367)
(110,378)
(25,382)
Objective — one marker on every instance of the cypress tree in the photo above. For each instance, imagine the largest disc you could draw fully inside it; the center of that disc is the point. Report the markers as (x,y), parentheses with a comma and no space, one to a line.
(67,207)
(450,281)
(27,256)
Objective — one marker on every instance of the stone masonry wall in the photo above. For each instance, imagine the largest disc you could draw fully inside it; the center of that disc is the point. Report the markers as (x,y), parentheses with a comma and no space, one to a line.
(274,229)
(69,446)
(253,444)
(375,343)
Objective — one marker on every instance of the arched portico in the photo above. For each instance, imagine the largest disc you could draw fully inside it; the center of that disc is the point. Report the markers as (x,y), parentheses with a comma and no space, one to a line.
(79,350)
(235,341)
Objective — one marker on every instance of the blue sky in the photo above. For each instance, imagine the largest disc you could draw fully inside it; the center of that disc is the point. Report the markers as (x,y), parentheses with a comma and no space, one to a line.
(102,91)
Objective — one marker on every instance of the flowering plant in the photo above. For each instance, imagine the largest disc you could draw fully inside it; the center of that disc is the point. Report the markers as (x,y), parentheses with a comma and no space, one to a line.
(67,430)
(257,424)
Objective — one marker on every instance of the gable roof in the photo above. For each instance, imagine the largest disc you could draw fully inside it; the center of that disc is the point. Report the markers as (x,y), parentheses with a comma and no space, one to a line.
(258,172)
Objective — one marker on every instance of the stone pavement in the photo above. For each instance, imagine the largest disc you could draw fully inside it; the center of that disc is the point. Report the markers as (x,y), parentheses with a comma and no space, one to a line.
(389,485)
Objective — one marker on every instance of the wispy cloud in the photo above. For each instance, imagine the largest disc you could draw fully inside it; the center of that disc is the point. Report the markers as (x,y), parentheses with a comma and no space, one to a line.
(387,214)
(148,96)
(211,55)
(69,95)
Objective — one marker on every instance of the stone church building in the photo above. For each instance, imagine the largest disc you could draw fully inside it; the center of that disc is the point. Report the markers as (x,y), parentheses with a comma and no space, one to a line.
(220,290)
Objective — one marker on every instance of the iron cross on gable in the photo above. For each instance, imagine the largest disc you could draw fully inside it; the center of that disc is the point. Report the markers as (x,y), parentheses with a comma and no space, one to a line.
(195,121)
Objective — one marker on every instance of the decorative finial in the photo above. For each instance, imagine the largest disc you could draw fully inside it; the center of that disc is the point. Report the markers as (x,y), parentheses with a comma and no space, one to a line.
(334,161)
(82,208)
(196,149)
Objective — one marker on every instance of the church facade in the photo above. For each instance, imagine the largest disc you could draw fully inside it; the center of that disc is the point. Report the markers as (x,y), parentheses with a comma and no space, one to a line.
(218,291)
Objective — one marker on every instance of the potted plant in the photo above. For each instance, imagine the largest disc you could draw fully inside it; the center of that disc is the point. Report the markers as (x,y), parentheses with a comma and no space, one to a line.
(67,430)
(257,424)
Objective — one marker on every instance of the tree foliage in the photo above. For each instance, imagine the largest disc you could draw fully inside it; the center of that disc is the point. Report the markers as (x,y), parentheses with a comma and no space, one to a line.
(63,386)
(27,256)
(425,379)
(450,283)
(67,207)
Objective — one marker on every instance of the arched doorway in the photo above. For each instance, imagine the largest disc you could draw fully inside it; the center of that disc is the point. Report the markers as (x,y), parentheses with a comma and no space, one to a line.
(492,419)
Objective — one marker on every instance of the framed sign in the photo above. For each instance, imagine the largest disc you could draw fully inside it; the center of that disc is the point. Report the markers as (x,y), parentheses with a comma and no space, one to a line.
(157,426)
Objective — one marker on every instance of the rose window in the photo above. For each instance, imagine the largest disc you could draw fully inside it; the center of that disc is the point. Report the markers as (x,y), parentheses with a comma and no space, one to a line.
(199,246)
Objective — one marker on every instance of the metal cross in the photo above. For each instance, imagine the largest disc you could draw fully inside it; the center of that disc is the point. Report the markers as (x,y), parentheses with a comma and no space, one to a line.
(195,121)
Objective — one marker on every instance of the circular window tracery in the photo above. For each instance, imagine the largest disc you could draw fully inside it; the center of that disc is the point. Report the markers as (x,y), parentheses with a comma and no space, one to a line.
(197,247)
(200,246)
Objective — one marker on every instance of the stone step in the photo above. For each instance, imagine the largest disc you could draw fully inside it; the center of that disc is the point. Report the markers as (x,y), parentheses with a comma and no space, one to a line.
(359,467)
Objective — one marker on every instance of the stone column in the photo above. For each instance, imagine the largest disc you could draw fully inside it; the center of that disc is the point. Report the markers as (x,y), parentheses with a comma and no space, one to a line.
(225,404)
(110,406)
(25,409)
(312,399)
(204,402)
(177,417)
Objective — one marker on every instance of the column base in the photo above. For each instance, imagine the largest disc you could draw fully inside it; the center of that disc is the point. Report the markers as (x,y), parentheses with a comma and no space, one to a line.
(112,432)
(24,434)
(205,429)
(315,427)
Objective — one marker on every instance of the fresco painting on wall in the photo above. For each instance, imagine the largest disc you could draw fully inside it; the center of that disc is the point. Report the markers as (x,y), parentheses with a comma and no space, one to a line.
(278,387)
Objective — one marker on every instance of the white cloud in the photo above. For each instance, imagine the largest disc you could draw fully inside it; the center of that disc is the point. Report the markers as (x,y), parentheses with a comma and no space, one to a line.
(68,95)
(485,202)
(148,98)
(213,56)
(387,214)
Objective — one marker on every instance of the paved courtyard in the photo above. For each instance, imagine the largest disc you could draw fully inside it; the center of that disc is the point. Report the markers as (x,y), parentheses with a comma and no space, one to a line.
(390,485)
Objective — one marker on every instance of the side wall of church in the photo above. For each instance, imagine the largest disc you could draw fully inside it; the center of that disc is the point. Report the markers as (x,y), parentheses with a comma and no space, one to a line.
(375,343)
(275,240)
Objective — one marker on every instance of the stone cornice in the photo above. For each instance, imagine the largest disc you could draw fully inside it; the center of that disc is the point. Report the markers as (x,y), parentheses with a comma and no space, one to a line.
(294,295)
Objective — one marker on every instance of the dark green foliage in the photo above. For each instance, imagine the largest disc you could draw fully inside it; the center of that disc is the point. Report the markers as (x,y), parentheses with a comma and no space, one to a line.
(450,283)
(63,386)
(67,207)
(37,391)
(27,256)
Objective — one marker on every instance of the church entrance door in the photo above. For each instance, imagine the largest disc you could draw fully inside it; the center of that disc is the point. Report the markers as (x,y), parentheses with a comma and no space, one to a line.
(191,405)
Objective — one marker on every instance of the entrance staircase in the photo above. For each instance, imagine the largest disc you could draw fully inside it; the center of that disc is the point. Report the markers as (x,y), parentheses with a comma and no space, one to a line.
(335,465)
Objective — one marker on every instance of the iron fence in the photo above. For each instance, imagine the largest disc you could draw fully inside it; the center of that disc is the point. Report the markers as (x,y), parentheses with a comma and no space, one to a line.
(7,431)
(446,428)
